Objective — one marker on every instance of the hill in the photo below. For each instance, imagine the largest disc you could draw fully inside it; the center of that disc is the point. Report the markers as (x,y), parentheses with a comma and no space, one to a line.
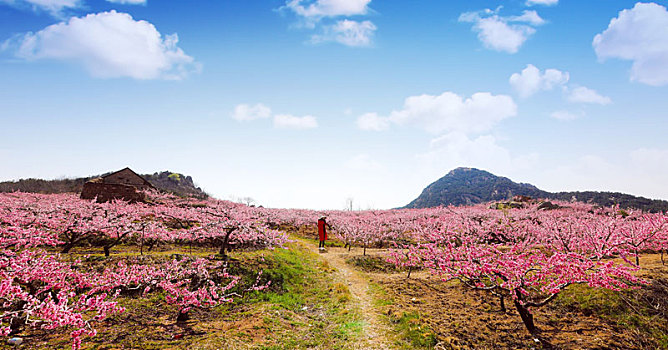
(176,183)
(466,186)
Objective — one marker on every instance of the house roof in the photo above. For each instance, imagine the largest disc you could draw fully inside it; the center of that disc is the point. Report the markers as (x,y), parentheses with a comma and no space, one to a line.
(132,171)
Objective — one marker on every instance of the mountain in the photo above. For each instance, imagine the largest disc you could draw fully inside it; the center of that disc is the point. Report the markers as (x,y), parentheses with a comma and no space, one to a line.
(176,183)
(466,186)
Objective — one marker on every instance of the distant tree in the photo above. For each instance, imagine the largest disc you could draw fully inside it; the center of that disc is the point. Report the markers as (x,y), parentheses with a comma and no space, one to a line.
(349,204)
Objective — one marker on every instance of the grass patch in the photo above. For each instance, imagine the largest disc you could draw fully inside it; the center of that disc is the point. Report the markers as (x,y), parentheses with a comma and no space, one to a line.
(303,308)
(380,296)
(350,330)
(642,310)
(414,332)
(371,263)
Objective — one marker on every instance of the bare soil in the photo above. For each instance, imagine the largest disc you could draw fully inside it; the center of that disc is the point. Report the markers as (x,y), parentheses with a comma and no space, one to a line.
(467,319)
(377,334)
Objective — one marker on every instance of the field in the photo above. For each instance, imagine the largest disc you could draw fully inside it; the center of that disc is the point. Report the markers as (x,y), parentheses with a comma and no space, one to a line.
(177,273)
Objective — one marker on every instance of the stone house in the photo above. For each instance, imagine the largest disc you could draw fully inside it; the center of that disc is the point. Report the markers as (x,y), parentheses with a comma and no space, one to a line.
(124,184)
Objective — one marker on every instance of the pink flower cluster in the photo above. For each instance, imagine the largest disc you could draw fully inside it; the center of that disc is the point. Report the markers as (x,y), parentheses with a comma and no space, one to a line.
(39,288)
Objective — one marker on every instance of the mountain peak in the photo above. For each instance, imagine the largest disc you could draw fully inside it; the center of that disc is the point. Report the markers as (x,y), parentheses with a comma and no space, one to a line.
(467,186)
(463,171)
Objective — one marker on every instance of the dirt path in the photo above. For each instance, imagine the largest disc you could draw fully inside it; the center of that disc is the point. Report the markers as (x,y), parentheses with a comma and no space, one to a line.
(377,334)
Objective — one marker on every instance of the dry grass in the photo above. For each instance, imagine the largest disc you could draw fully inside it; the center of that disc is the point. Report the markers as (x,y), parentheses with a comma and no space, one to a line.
(581,318)
(303,309)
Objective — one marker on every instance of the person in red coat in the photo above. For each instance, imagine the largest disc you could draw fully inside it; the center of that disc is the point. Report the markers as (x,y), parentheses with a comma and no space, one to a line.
(322,232)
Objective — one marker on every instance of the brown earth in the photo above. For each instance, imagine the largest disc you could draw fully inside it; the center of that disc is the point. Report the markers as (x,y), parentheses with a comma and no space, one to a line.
(466,319)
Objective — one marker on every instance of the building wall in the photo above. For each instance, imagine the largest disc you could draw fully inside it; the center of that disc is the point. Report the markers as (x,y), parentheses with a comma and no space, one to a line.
(106,192)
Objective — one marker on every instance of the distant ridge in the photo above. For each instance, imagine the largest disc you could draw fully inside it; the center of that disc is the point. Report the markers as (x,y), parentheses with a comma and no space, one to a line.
(467,186)
(175,183)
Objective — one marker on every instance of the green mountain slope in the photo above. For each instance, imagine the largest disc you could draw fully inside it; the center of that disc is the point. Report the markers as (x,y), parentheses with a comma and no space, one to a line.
(466,186)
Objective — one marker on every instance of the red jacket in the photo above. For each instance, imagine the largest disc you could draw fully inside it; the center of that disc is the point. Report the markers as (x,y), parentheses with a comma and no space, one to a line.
(322,229)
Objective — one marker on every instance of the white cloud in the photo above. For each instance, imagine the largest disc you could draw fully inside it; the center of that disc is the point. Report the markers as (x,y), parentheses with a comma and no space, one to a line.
(328,8)
(363,162)
(652,162)
(641,172)
(531,80)
(110,45)
(566,115)
(542,2)
(244,112)
(585,95)
(499,36)
(639,35)
(287,121)
(347,32)
(500,33)
(344,31)
(450,112)
(530,17)
(455,149)
(54,7)
(372,121)
(128,2)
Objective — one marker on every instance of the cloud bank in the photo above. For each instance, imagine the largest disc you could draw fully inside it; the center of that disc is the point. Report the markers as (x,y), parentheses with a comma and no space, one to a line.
(110,45)
(499,33)
(247,113)
(586,95)
(347,32)
(542,2)
(328,8)
(53,7)
(531,80)
(244,112)
(288,121)
(445,113)
(638,35)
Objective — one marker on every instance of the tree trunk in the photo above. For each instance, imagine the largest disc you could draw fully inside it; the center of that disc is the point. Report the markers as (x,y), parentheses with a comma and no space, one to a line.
(662,262)
(223,251)
(72,239)
(107,250)
(410,269)
(503,303)
(182,316)
(637,258)
(141,245)
(364,250)
(526,316)
(67,247)
(226,241)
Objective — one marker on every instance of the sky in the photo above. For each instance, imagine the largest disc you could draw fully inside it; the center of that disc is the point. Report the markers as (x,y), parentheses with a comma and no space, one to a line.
(315,103)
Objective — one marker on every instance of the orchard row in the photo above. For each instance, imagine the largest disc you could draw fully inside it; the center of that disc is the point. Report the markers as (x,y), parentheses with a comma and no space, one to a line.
(524,255)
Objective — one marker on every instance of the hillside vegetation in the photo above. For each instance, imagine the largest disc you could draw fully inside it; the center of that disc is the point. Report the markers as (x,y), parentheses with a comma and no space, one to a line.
(175,183)
(468,186)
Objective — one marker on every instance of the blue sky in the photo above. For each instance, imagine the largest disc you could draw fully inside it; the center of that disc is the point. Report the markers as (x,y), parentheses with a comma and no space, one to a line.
(308,103)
